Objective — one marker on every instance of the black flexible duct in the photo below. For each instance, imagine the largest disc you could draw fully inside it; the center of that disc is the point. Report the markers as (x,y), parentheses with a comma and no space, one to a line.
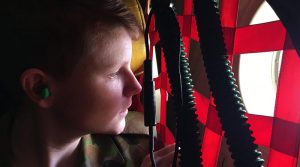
(188,136)
(228,101)
(287,11)
(188,124)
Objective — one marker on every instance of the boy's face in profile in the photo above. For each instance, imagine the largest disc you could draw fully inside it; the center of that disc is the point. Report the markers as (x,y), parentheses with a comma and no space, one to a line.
(96,95)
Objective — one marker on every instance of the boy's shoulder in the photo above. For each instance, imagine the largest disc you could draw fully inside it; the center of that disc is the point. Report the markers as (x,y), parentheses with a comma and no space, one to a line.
(127,149)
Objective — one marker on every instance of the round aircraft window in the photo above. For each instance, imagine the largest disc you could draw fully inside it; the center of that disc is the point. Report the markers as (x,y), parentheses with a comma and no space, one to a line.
(259,72)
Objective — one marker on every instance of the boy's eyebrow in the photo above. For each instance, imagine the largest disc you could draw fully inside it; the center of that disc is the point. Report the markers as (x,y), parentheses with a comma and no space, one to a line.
(109,63)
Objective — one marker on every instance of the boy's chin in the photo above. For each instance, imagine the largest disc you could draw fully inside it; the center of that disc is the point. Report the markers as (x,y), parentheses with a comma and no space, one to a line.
(112,130)
(119,129)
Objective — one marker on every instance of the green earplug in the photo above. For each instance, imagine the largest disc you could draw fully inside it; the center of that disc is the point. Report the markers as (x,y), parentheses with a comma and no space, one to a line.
(45,93)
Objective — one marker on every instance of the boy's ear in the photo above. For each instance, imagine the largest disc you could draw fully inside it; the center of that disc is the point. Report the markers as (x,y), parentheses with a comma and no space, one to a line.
(35,82)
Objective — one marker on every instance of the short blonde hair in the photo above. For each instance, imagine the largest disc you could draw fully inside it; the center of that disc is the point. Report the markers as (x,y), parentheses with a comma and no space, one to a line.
(52,34)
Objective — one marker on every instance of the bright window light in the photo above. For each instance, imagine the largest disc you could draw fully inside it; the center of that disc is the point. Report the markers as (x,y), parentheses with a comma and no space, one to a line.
(258,72)
(264,14)
(258,81)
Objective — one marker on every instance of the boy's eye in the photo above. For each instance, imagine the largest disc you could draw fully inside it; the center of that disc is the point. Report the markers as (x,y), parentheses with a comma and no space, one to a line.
(113,75)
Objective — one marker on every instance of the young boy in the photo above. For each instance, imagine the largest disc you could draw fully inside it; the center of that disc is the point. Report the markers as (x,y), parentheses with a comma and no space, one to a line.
(67,85)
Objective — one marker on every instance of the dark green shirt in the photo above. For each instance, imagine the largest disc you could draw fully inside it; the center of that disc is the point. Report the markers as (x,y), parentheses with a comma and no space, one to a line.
(125,150)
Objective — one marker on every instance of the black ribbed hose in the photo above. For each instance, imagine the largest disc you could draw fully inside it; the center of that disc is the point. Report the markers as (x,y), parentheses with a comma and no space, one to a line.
(223,86)
(188,135)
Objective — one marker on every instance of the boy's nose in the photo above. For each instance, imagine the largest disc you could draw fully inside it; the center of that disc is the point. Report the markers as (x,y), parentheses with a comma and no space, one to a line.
(133,86)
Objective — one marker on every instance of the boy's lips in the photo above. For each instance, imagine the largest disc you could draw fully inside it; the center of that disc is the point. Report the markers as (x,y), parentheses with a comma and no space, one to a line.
(129,104)
(125,111)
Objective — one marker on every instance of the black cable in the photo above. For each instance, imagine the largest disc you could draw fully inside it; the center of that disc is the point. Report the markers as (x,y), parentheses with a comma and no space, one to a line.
(151,146)
(147,33)
(148,87)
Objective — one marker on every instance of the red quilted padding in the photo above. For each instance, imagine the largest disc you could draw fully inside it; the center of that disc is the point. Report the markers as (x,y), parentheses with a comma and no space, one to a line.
(281,133)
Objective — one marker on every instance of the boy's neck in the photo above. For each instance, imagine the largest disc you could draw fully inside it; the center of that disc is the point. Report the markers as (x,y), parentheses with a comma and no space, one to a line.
(37,140)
